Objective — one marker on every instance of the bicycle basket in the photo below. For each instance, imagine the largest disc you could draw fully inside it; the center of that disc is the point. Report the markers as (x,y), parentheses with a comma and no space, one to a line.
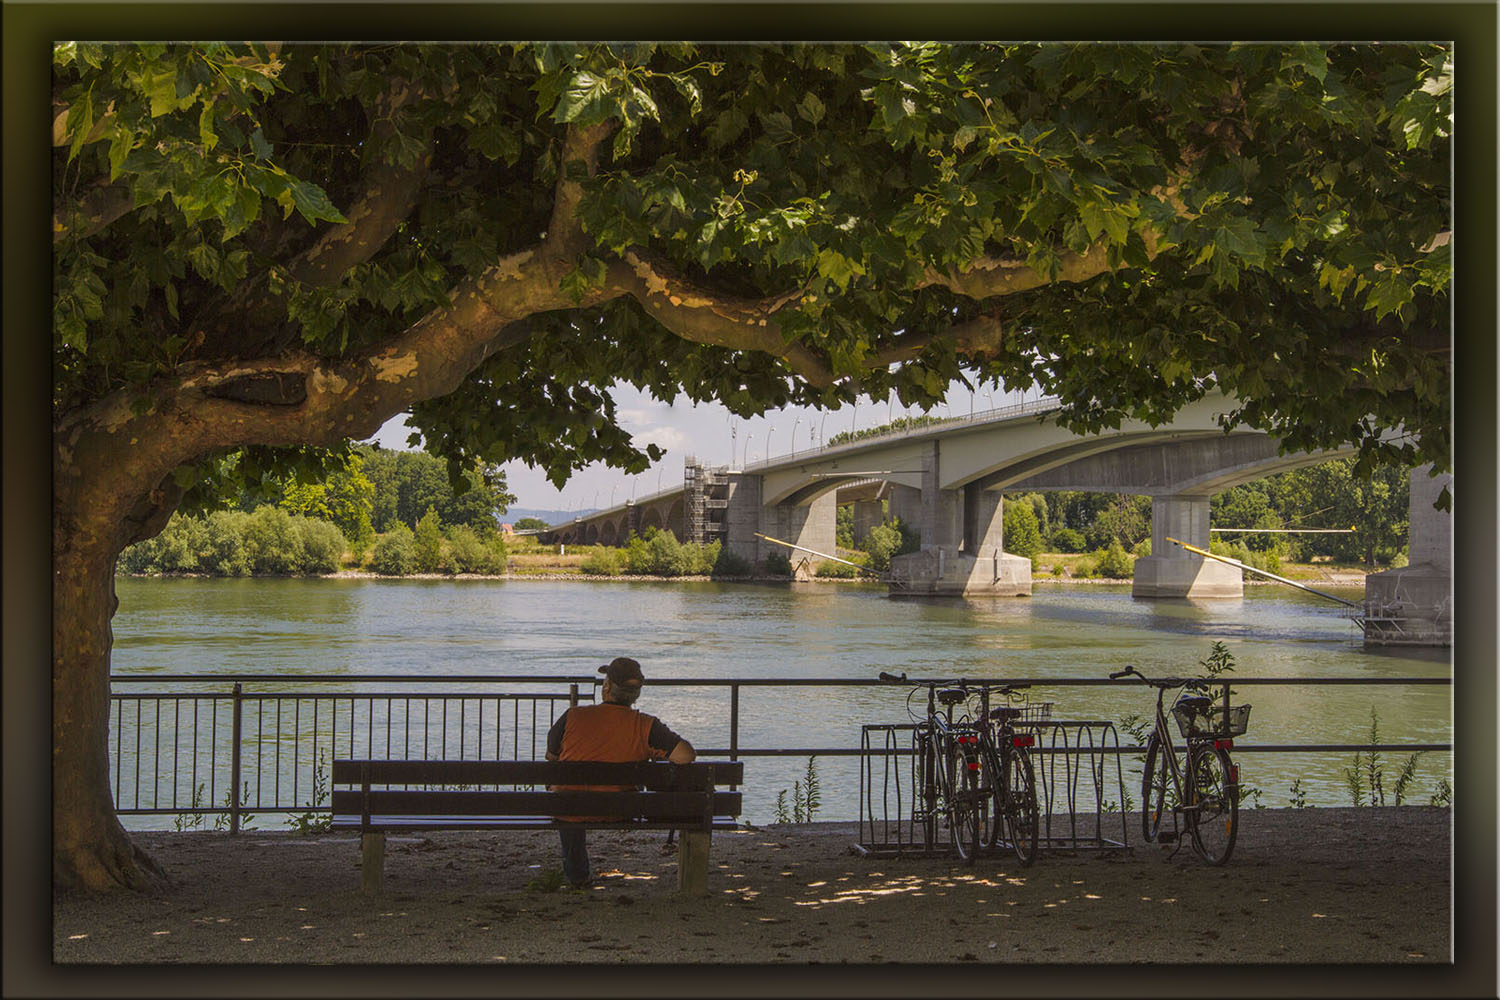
(1032,712)
(1197,716)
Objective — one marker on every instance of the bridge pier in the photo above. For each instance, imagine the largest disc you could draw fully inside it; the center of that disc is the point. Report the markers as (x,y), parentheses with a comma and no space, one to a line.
(813,525)
(1172,571)
(1414,605)
(963,531)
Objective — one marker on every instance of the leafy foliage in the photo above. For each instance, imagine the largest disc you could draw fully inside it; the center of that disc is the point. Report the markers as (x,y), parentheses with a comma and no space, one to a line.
(1023,536)
(1272,218)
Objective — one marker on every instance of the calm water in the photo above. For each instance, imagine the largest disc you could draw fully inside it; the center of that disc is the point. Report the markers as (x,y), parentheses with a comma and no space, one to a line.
(442,628)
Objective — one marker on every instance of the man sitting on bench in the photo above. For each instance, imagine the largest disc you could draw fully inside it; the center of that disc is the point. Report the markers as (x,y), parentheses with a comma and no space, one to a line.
(609,731)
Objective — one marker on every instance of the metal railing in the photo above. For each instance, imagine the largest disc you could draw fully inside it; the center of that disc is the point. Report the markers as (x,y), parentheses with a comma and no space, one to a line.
(228,751)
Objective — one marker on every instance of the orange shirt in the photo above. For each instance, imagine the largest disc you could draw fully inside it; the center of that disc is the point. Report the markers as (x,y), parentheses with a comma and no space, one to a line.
(605,732)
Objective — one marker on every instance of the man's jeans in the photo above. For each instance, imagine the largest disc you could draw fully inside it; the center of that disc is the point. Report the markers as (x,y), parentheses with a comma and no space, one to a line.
(575,856)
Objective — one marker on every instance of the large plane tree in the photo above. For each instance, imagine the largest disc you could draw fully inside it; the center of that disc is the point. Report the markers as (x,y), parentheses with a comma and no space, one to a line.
(262,252)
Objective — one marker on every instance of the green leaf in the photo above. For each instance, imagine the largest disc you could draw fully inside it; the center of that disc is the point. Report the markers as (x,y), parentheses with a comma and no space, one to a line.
(584,100)
(119,148)
(160,85)
(688,88)
(259,146)
(811,109)
(206,126)
(313,204)
(1387,295)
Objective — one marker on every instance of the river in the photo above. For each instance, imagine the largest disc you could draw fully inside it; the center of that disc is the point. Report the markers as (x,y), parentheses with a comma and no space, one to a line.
(437,628)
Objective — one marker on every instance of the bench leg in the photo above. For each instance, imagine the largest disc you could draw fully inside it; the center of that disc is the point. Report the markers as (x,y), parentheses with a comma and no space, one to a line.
(372,861)
(692,863)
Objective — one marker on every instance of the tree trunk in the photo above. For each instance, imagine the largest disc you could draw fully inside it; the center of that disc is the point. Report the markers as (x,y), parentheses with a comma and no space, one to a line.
(97,509)
(90,850)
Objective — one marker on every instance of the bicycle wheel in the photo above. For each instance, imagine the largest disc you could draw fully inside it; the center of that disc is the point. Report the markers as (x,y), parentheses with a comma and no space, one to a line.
(994,785)
(1213,816)
(968,803)
(1155,779)
(929,792)
(1022,821)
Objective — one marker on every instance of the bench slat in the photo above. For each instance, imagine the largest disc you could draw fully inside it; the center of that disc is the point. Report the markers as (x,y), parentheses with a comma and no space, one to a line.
(651,774)
(353,822)
(650,805)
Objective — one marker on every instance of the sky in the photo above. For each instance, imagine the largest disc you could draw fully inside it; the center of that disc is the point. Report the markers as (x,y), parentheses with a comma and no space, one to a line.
(708,432)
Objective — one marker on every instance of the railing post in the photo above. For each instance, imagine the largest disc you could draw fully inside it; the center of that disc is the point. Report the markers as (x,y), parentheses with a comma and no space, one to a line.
(234,759)
(734,721)
(734,724)
(572,695)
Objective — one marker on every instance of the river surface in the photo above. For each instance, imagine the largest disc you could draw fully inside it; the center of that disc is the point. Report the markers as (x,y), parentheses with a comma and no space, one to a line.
(443,628)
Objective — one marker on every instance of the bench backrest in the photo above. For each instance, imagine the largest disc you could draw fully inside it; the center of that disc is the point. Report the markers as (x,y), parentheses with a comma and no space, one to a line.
(670,793)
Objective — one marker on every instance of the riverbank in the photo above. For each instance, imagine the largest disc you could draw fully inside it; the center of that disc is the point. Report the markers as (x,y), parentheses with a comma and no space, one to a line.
(1335,885)
(1326,578)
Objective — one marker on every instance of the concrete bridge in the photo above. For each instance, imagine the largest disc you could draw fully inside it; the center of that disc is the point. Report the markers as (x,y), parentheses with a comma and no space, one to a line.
(948,478)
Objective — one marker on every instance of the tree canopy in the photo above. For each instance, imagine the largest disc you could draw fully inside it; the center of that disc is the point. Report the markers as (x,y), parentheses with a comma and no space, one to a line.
(263,252)
(1127,225)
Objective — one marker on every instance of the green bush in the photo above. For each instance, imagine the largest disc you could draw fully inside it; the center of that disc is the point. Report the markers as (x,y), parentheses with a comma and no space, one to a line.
(322,545)
(273,545)
(1267,560)
(605,561)
(429,543)
(469,553)
(730,564)
(667,556)
(1142,549)
(778,564)
(140,557)
(1114,562)
(395,552)
(225,545)
(1023,537)
(835,571)
(1067,540)
(180,543)
(883,542)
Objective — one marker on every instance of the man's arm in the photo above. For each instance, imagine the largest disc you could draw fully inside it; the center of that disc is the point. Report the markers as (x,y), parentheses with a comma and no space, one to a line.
(682,753)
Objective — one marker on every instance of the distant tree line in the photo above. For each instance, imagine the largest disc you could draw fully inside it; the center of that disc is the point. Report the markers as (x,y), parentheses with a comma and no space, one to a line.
(657,552)
(1116,528)
(398,507)
(1327,495)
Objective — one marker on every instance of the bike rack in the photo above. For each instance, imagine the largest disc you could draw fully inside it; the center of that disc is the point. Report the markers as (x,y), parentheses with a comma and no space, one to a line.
(1091,741)
(887,788)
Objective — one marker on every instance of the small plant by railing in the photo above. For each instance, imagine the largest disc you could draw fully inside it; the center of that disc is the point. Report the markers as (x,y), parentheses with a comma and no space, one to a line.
(1365,776)
(315,820)
(806,797)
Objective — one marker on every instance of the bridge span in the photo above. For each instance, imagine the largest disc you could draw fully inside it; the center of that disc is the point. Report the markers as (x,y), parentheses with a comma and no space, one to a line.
(948,479)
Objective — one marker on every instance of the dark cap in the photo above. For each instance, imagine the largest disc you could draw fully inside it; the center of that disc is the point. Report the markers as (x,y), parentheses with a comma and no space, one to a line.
(623,670)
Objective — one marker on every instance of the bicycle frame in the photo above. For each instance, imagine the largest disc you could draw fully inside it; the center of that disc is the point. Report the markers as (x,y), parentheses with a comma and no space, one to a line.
(1206,778)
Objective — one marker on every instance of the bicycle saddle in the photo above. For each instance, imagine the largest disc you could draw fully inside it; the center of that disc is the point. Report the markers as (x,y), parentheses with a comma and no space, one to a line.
(952,696)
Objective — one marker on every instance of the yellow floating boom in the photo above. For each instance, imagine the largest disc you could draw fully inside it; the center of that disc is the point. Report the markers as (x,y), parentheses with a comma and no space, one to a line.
(1251,569)
(815,552)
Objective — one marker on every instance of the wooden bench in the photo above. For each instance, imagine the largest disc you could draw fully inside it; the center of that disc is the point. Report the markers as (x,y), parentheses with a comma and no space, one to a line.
(376,797)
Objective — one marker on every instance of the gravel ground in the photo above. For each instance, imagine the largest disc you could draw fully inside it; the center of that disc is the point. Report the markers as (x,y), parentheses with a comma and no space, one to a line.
(1304,886)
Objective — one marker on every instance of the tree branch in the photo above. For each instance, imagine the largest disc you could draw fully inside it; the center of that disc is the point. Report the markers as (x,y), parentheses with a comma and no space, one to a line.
(390,191)
(705,317)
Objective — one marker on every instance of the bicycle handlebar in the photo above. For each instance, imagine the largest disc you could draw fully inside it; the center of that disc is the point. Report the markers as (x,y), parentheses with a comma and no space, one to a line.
(1162,682)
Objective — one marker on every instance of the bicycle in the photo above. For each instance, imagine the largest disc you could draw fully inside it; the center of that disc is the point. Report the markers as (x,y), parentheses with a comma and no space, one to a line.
(1204,790)
(965,768)
(1008,750)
